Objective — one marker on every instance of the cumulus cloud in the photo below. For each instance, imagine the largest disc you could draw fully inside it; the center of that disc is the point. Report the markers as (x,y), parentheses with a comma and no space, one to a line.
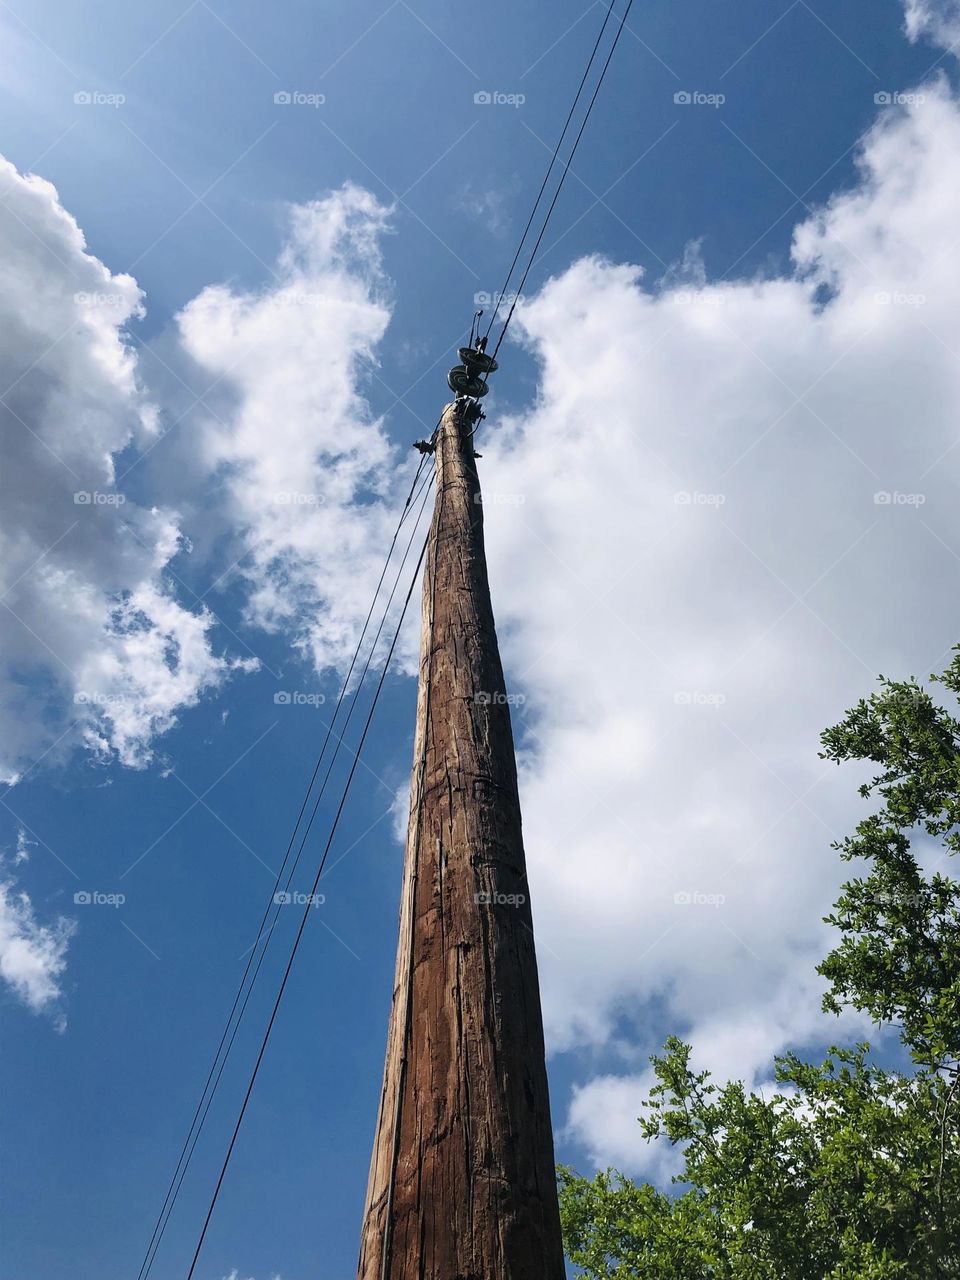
(307,476)
(738,507)
(96,646)
(299,480)
(32,955)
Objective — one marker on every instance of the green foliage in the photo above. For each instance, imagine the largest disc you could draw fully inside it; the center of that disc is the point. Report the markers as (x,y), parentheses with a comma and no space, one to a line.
(899,955)
(848,1171)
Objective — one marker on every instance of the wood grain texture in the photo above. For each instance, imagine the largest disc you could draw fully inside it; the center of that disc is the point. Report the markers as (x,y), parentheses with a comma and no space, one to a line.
(463,1133)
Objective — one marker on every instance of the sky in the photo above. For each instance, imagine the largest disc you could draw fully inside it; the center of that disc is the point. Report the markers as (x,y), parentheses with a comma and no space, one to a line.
(239,247)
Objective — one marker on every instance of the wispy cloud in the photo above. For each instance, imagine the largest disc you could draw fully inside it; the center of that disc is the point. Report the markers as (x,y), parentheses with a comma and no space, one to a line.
(32,954)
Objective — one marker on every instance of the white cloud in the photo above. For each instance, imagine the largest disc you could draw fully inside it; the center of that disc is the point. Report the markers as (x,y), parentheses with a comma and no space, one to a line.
(700,578)
(937,19)
(96,647)
(291,465)
(604,1116)
(24,845)
(309,481)
(32,955)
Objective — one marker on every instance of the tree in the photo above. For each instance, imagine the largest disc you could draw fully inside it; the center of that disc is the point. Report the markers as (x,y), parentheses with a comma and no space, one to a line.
(849,1171)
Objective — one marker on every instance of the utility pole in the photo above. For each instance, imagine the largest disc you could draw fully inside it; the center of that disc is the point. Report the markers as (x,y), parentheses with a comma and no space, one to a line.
(462,1183)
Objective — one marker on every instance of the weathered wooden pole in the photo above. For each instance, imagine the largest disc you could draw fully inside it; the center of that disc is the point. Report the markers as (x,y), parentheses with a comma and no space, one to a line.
(462,1176)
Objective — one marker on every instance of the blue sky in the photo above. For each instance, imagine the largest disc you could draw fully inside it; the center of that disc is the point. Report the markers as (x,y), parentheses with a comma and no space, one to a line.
(186,183)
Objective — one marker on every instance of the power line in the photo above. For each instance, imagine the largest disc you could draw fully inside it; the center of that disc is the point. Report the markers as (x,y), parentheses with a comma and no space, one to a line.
(566,170)
(229,1036)
(306,912)
(553,160)
(226,1039)
(526,272)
